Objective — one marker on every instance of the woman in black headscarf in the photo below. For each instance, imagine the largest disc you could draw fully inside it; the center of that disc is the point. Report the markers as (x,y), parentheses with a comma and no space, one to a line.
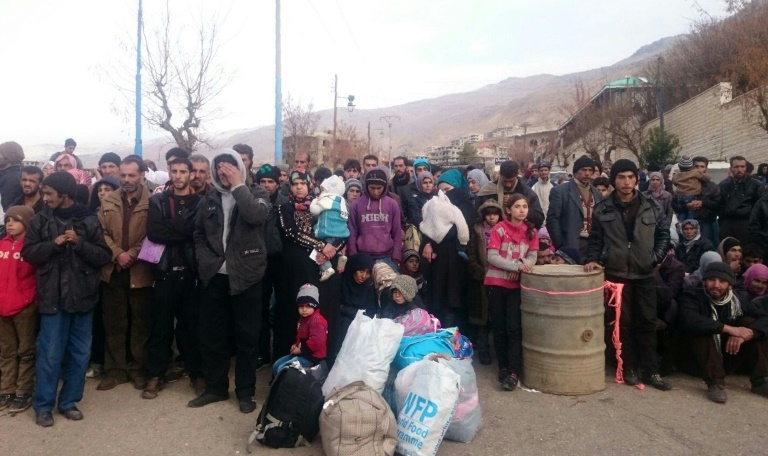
(357,293)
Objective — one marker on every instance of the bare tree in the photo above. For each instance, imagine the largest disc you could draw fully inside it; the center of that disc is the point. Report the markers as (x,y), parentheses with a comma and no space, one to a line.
(300,124)
(348,145)
(584,128)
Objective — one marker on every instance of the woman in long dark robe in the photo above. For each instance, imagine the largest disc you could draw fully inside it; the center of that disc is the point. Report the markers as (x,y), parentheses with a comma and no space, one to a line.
(295,222)
(357,293)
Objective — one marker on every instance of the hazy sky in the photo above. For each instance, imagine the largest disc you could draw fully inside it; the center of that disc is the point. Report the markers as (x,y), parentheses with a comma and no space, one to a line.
(57,54)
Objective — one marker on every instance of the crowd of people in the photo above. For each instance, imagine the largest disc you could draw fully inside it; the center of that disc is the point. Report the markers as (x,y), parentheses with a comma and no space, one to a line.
(105,273)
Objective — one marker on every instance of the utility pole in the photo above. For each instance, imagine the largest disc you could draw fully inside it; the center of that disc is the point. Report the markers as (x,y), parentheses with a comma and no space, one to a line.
(278,91)
(137,146)
(350,106)
(390,120)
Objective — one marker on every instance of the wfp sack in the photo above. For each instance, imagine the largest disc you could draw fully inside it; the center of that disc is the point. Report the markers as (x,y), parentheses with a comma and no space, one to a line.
(427,392)
(366,353)
(355,421)
(415,348)
(467,417)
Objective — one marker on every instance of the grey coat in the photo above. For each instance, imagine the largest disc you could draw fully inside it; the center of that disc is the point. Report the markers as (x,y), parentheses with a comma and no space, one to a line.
(565,217)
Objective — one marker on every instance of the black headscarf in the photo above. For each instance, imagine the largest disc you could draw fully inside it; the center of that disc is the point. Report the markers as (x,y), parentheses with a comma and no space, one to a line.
(353,294)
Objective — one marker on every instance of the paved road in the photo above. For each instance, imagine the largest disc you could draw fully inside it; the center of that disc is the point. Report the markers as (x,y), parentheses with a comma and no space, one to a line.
(619,420)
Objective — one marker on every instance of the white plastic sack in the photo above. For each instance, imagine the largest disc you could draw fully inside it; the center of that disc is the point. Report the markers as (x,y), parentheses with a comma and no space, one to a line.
(427,392)
(467,417)
(366,353)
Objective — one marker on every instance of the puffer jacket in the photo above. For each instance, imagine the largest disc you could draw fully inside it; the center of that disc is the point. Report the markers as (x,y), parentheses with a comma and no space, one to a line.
(67,276)
(17,278)
(245,253)
(609,246)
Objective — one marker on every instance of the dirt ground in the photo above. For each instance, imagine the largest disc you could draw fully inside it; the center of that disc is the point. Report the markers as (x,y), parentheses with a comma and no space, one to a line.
(618,420)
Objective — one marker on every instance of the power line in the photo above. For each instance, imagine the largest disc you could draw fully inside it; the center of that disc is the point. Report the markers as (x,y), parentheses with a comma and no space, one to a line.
(317,13)
(349,29)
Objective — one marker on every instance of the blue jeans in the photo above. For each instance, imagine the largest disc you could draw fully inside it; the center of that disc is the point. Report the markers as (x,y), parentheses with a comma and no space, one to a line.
(285,360)
(711,231)
(682,200)
(62,335)
(388,261)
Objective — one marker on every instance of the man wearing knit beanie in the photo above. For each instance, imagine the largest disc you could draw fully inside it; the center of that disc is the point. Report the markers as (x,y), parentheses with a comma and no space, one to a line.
(11,156)
(628,238)
(569,216)
(724,330)
(109,164)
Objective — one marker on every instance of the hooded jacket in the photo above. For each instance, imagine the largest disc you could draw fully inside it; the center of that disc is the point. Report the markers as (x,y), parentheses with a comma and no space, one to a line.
(229,232)
(374,225)
(495,189)
(17,278)
(609,245)
(312,336)
(111,218)
(68,275)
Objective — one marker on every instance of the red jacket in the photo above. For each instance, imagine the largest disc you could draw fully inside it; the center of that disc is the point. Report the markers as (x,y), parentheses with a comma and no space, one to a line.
(312,334)
(17,278)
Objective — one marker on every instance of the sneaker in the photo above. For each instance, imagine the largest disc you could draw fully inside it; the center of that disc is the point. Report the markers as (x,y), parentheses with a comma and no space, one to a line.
(760,387)
(94,371)
(716,393)
(20,403)
(6,400)
(342,264)
(657,382)
(325,275)
(510,382)
(261,363)
(175,373)
(630,376)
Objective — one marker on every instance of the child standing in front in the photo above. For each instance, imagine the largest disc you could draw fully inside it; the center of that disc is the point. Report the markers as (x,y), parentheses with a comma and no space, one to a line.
(512,250)
(18,315)
(688,183)
(332,215)
(311,333)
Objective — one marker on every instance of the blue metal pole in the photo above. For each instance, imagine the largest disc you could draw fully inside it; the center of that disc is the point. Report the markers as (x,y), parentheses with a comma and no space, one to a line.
(278,91)
(137,148)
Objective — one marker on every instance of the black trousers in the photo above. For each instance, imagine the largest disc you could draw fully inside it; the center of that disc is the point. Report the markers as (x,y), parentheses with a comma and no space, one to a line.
(506,321)
(271,283)
(638,323)
(174,297)
(219,311)
(715,363)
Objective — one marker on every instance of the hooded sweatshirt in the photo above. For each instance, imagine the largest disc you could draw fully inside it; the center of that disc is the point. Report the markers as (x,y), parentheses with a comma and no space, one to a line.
(374,225)
(17,278)
(227,200)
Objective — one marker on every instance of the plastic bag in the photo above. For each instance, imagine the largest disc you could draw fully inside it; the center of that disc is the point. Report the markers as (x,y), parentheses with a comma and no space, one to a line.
(427,392)
(366,353)
(467,417)
(415,348)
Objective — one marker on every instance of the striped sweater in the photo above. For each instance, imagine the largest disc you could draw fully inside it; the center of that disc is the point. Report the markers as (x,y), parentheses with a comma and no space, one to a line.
(508,249)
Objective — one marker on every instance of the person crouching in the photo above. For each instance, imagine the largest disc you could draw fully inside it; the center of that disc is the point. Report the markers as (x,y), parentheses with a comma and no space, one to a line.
(311,333)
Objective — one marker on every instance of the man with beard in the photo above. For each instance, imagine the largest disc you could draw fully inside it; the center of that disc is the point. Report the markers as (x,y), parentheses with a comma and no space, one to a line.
(569,216)
(268,177)
(246,155)
(31,182)
(401,181)
(507,184)
(543,187)
(628,239)
(65,244)
(232,258)
(127,282)
(352,169)
(201,174)
(171,222)
(738,195)
(726,332)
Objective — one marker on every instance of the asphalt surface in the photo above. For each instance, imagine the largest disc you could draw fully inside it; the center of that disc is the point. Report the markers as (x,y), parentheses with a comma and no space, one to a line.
(618,420)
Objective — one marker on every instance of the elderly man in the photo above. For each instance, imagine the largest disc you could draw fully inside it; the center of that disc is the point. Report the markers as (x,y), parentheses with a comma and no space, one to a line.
(569,215)
(726,331)
(543,186)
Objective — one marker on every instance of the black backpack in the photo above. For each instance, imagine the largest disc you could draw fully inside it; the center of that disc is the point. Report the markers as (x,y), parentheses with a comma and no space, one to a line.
(290,415)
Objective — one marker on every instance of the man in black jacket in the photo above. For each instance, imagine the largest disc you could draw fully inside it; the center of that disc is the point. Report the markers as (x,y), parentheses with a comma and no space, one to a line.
(739,193)
(65,244)
(231,259)
(628,238)
(505,186)
(569,217)
(171,222)
(268,177)
(706,204)
(726,331)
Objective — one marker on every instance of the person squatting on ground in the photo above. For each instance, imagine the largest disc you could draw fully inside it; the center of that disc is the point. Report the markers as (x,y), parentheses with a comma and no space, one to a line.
(18,314)
(65,244)
(512,250)
(330,209)
(310,347)
(725,332)
(231,258)
(628,239)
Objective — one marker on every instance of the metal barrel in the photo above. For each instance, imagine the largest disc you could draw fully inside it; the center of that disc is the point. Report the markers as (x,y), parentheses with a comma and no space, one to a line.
(563,330)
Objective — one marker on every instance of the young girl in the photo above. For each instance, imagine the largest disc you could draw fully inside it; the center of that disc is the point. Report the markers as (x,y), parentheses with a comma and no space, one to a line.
(512,250)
